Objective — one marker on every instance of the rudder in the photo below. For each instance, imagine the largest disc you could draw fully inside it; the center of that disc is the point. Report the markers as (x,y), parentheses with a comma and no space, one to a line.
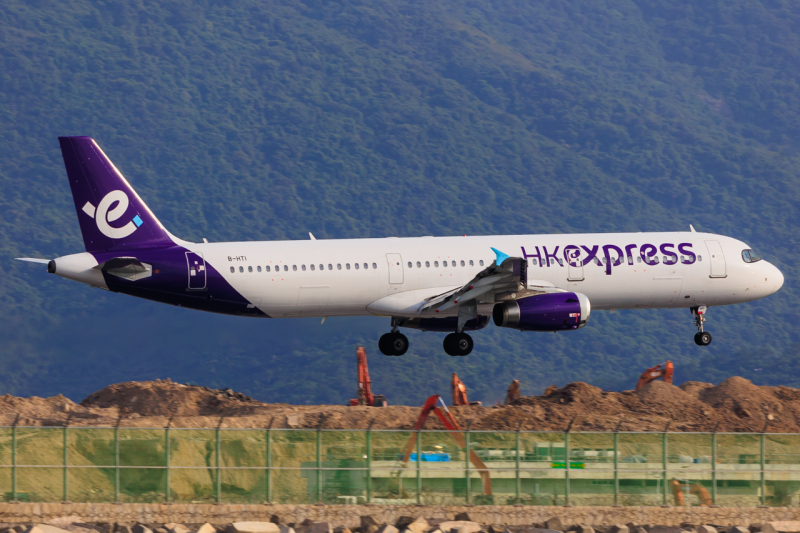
(110,213)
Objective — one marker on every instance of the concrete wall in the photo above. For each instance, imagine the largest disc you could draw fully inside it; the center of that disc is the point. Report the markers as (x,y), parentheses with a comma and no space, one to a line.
(348,515)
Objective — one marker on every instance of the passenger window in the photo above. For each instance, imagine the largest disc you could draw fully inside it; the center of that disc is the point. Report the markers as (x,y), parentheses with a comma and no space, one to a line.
(444,263)
(630,260)
(330,266)
(286,268)
(419,265)
(356,265)
(258,268)
(638,259)
(294,268)
(374,265)
(480,262)
(322,267)
(699,257)
(338,266)
(233,270)
(409,264)
(268,268)
(249,269)
(366,266)
(303,267)
(427,264)
(560,262)
(436,264)
(312,267)
(241,269)
(533,261)
(462,263)
(471,263)
(347,266)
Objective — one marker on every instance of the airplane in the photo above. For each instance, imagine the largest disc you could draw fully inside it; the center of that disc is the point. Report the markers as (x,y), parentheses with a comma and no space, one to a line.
(445,284)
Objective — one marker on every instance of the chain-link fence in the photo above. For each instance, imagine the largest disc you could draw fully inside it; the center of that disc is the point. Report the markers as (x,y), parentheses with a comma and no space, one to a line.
(80,464)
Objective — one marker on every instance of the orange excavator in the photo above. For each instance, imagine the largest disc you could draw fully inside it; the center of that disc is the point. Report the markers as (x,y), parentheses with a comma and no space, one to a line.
(664,371)
(444,414)
(679,486)
(459,391)
(365,396)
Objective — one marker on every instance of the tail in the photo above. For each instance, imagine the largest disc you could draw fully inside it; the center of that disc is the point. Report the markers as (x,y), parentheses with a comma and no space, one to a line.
(111,214)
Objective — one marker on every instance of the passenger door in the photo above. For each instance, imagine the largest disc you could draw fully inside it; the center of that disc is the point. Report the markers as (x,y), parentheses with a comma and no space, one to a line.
(395,263)
(575,271)
(717,259)
(197,271)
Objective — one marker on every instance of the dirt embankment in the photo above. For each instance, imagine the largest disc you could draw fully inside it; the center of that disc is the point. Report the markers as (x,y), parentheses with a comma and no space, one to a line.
(734,405)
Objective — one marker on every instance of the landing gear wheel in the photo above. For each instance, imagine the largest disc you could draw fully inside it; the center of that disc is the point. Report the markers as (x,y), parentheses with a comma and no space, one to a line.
(393,344)
(457,344)
(702,338)
(399,344)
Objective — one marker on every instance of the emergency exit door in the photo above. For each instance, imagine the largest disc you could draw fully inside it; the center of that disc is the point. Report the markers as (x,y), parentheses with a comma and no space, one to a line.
(395,263)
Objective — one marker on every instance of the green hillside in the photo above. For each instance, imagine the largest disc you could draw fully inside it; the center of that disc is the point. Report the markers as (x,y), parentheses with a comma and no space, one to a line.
(269,119)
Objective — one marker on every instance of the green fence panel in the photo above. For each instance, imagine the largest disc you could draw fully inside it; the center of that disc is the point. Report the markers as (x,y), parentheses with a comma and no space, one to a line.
(243,485)
(294,449)
(142,485)
(739,449)
(782,489)
(444,487)
(91,446)
(539,450)
(192,447)
(142,447)
(91,485)
(40,446)
(193,485)
(543,487)
(641,451)
(782,452)
(5,446)
(643,487)
(343,486)
(43,484)
(498,450)
(738,489)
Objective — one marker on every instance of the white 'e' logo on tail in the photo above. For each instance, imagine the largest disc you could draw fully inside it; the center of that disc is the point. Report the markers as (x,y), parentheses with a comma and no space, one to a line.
(103,216)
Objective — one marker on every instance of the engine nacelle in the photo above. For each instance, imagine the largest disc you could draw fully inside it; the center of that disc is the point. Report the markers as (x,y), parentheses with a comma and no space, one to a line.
(556,311)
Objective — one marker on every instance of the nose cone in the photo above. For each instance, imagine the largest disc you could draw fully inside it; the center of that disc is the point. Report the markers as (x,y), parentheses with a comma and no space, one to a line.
(775,279)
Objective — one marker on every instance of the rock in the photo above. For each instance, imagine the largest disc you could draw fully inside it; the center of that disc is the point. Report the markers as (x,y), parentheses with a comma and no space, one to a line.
(160,530)
(341,529)
(122,528)
(286,529)
(46,528)
(176,528)
(275,519)
(419,525)
(762,528)
(64,521)
(496,528)
(688,526)
(367,521)
(19,528)
(206,528)
(583,528)
(706,529)
(619,528)
(463,517)
(738,529)
(469,527)
(386,528)
(253,527)
(370,529)
(314,527)
(554,524)
(786,526)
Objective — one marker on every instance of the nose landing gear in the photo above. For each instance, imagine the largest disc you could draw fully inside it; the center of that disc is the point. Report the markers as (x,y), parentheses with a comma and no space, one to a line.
(701,338)
(393,343)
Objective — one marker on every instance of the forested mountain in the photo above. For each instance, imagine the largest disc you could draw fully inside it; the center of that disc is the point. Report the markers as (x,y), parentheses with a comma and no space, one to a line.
(268,119)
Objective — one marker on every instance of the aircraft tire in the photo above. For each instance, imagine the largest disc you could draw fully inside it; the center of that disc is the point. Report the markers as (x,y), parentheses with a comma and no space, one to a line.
(449,345)
(384,344)
(399,344)
(463,344)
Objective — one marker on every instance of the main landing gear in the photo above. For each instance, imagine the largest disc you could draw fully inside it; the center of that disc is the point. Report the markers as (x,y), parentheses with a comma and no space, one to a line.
(458,344)
(701,338)
(393,343)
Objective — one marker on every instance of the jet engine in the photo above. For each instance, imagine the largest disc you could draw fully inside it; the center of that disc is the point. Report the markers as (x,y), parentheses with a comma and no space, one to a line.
(557,311)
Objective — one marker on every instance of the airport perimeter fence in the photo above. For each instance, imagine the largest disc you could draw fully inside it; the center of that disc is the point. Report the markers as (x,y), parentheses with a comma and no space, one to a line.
(93,464)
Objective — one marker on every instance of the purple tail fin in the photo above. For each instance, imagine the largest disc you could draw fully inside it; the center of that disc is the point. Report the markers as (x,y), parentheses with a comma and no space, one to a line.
(111,214)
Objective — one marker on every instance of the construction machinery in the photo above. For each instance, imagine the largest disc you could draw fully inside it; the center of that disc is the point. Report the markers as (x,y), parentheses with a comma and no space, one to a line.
(432,406)
(459,391)
(683,486)
(664,371)
(514,393)
(364,394)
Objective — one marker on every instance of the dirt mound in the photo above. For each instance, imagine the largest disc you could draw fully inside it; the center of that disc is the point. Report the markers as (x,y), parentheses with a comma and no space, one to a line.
(734,405)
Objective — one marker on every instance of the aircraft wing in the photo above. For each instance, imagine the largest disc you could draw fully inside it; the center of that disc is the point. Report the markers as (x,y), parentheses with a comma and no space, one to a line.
(505,277)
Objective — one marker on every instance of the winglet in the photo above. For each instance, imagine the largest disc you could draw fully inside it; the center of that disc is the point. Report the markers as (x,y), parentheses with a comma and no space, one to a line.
(500,256)
(692,228)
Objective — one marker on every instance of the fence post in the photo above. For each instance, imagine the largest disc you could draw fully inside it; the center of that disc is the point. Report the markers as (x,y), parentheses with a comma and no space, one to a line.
(419,467)
(319,464)
(116,459)
(763,473)
(14,459)
(369,464)
(566,466)
(466,468)
(519,481)
(714,465)
(66,462)
(218,488)
(269,462)
(166,458)
(664,444)
(616,465)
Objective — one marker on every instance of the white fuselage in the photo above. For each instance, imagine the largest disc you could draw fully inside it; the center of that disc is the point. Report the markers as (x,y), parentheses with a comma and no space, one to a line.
(395,275)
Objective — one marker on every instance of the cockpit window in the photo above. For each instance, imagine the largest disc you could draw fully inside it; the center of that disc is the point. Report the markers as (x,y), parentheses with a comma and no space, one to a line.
(750,256)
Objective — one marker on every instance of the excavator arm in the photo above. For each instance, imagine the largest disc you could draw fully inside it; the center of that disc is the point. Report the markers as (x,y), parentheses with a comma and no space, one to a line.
(456,432)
